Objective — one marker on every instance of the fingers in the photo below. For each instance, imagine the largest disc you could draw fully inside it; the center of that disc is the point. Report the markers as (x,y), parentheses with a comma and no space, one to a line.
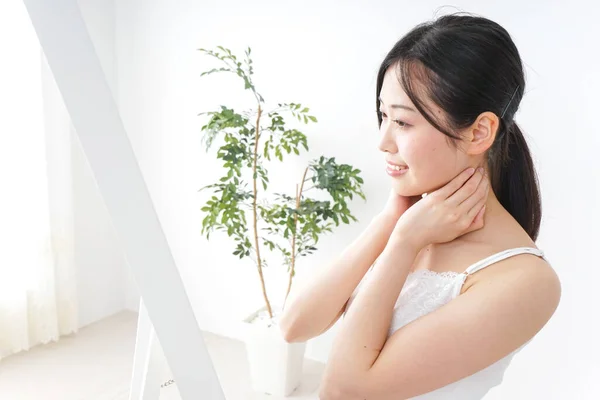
(476,209)
(478,222)
(468,189)
(480,193)
(473,218)
(455,184)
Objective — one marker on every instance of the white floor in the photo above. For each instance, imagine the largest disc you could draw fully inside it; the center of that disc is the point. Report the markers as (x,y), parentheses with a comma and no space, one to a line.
(95,364)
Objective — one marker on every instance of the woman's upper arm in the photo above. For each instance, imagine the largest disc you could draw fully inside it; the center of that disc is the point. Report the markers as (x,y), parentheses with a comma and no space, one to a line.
(343,310)
(490,320)
(337,317)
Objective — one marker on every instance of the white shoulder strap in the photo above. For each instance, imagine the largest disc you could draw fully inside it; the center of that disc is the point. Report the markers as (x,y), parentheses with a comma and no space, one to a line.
(501,256)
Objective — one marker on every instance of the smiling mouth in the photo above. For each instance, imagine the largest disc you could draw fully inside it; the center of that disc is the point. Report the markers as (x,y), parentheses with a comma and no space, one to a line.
(396,167)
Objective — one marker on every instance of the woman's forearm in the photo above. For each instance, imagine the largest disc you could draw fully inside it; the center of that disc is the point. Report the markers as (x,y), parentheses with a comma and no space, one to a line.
(314,307)
(364,330)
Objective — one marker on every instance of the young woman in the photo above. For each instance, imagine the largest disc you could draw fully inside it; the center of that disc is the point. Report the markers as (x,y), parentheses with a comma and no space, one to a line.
(459,285)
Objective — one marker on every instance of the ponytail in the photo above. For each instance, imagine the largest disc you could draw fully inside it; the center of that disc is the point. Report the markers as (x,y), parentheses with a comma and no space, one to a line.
(514,179)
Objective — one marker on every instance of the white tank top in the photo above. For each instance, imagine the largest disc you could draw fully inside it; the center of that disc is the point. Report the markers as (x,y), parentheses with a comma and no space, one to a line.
(425,291)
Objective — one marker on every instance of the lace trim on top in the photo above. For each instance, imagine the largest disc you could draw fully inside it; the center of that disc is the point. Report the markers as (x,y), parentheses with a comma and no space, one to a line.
(442,274)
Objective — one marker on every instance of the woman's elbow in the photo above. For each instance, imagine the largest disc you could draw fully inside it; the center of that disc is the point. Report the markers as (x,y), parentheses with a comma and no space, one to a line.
(325,393)
(288,330)
(344,386)
(330,391)
(288,335)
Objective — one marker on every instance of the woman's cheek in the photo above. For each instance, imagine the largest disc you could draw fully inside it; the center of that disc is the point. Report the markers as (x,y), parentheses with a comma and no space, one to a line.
(429,169)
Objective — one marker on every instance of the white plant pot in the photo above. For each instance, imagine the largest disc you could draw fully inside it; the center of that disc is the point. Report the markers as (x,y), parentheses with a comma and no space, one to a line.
(275,365)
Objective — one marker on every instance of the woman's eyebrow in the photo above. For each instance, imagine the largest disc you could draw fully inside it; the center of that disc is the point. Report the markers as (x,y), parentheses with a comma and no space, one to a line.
(399,106)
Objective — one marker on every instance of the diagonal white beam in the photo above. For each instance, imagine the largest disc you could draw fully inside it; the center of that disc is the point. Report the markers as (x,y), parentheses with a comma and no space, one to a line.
(147,365)
(76,68)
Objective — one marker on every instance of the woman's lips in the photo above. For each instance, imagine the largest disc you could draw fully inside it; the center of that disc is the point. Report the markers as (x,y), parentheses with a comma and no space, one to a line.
(395,170)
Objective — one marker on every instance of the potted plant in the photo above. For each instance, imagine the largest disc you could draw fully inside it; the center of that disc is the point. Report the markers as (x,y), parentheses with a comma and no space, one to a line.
(289,225)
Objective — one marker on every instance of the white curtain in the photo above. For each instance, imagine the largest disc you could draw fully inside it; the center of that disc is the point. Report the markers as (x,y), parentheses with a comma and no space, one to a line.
(37,275)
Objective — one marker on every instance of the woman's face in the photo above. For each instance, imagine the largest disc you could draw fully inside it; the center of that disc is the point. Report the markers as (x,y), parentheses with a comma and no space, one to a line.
(427,158)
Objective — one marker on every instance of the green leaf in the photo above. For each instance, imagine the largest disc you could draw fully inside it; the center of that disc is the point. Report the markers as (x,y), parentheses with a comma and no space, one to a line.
(212,71)
(226,211)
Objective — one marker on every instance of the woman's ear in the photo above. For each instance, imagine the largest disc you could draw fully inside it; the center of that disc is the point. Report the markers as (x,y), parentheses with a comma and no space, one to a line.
(481,135)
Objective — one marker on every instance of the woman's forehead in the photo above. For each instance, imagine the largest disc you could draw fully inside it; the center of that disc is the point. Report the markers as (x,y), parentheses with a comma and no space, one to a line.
(392,91)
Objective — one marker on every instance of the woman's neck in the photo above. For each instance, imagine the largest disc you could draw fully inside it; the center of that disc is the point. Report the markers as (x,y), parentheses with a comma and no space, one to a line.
(501,231)
(499,228)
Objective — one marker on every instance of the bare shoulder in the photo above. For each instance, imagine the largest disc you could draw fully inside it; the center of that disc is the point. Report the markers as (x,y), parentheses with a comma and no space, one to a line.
(528,278)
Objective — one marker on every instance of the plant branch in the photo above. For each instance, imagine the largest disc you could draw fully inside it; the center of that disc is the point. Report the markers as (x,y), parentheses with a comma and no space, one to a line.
(294,234)
(254,214)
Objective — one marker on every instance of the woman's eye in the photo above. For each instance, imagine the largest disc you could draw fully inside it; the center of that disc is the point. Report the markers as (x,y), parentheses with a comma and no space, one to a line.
(398,122)
(401,123)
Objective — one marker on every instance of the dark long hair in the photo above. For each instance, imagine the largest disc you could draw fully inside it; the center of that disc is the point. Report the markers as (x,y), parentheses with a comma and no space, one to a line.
(467,65)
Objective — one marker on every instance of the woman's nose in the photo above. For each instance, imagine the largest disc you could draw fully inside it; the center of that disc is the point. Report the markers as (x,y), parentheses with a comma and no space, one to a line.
(386,143)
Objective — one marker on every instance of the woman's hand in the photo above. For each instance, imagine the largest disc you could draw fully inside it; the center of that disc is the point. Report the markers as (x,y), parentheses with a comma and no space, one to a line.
(396,205)
(449,212)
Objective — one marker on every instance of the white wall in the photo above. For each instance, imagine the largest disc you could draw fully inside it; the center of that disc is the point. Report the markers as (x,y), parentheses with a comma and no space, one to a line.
(326,56)
(102,273)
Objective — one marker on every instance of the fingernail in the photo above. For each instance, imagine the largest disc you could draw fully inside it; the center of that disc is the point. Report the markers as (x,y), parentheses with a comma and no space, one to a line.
(471,171)
(481,170)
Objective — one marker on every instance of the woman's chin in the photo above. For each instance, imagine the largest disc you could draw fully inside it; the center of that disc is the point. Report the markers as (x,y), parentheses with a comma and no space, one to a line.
(404,190)
(408,186)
